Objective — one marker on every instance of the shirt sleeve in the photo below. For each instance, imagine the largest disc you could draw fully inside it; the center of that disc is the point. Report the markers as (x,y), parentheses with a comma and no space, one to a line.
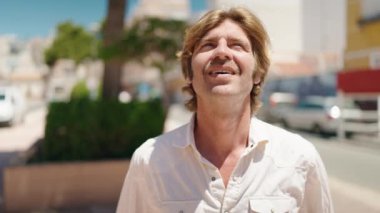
(317,196)
(135,194)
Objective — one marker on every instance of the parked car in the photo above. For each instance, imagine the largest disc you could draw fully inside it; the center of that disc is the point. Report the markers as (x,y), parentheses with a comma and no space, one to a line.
(310,103)
(275,101)
(315,113)
(280,92)
(12,106)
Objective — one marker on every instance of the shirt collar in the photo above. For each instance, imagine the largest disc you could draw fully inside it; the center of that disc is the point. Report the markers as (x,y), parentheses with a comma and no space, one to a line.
(187,135)
(257,133)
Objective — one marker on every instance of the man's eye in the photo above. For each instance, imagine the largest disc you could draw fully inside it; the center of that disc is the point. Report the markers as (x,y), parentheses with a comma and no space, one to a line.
(237,46)
(207,45)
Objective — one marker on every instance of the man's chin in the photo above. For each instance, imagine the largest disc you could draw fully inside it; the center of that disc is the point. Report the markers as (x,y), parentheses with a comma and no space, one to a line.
(224,90)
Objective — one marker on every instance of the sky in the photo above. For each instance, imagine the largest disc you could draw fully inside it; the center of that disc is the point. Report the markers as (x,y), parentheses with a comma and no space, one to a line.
(38,18)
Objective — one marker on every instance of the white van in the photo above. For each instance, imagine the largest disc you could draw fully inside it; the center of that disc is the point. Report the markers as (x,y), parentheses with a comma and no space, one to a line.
(12,106)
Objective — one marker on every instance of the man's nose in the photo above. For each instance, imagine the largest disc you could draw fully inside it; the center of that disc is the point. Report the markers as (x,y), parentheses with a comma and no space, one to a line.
(222,51)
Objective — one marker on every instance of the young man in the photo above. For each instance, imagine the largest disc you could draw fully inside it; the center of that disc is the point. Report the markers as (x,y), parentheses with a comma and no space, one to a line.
(225,159)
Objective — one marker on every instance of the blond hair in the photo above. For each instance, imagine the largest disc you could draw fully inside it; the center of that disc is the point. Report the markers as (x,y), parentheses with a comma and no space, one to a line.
(255,32)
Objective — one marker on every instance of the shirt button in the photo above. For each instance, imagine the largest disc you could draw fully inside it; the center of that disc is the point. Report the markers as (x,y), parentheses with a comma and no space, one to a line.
(213,178)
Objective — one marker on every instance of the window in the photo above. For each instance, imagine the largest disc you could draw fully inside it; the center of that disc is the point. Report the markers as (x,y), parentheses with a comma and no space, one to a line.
(374,59)
(370,8)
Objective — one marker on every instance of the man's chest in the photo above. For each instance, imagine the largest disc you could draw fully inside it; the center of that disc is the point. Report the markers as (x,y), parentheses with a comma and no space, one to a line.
(199,185)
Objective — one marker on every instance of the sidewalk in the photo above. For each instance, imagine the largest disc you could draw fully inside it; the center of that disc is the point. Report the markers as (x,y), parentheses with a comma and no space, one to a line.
(21,137)
(348,197)
(354,172)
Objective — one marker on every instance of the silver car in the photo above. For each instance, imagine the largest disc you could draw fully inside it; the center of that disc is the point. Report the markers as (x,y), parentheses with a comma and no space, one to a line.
(275,101)
(316,113)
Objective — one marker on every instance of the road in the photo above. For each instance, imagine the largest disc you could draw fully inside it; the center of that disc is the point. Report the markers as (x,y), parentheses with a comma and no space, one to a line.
(354,171)
(354,174)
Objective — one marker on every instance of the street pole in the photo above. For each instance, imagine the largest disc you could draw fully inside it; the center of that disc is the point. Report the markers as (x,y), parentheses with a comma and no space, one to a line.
(341,135)
(378,116)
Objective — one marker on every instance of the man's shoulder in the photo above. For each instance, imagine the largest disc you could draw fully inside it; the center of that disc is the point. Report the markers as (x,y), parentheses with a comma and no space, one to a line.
(161,145)
(282,136)
(287,144)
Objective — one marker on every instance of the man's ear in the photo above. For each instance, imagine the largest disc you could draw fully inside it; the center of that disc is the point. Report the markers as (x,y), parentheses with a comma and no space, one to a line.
(188,81)
(256,79)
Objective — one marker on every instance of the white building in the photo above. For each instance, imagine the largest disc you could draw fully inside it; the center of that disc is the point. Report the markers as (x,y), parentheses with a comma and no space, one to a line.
(7,55)
(21,64)
(177,9)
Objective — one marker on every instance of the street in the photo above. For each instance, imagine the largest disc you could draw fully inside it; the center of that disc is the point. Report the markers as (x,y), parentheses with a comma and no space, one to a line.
(354,171)
(354,174)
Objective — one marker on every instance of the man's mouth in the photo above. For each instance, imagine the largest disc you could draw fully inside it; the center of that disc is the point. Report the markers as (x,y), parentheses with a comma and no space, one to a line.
(221,72)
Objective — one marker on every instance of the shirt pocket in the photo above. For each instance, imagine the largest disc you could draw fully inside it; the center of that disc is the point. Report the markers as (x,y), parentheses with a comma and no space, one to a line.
(181,206)
(271,205)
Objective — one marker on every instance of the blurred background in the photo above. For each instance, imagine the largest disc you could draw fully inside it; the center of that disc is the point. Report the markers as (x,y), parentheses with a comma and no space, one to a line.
(84,83)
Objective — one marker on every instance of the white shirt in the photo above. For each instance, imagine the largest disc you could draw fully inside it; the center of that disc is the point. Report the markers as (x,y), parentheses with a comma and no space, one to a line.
(278,172)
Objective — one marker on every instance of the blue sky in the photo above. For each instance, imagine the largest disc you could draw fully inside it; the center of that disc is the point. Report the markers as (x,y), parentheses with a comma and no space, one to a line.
(34,18)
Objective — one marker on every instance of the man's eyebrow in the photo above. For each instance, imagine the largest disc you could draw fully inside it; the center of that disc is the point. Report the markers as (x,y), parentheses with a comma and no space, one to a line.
(212,39)
(238,40)
(208,39)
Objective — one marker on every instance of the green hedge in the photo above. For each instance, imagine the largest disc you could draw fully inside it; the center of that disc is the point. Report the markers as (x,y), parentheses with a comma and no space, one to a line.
(94,130)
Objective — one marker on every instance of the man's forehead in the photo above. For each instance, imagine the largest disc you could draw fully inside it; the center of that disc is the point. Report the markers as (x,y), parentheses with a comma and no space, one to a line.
(228,29)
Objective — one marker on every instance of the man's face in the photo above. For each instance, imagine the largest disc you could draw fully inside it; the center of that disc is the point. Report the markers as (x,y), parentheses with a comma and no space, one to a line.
(223,63)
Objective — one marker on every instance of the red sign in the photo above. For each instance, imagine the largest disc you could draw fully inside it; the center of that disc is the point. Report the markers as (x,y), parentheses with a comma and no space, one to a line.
(359,81)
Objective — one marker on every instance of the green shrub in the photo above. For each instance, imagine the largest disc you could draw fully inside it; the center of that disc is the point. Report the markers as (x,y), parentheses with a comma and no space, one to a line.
(93,130)
(80,91)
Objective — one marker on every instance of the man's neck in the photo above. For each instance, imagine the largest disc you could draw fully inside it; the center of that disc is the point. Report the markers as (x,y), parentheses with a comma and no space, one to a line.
(220,133)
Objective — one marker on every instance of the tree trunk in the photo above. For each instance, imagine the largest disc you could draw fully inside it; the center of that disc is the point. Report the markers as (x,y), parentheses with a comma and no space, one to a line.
(113,31)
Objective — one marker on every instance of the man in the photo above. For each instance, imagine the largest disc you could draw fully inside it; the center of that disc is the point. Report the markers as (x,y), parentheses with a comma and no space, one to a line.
(225,159)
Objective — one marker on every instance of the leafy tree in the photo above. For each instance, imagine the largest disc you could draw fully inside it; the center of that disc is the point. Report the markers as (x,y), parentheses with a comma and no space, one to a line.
(152,41)
(71,42)
(149,40)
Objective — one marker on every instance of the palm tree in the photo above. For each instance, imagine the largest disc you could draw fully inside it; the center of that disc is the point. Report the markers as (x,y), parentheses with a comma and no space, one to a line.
(112,33)
(154,42)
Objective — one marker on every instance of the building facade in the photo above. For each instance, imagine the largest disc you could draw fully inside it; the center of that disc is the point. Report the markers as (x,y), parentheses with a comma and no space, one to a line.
(363,35)
(176,9)
(21,64)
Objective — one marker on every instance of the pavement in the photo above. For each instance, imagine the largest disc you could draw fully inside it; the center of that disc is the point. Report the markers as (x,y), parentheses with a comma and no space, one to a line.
(23,136)
(353,167)
(354,173)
